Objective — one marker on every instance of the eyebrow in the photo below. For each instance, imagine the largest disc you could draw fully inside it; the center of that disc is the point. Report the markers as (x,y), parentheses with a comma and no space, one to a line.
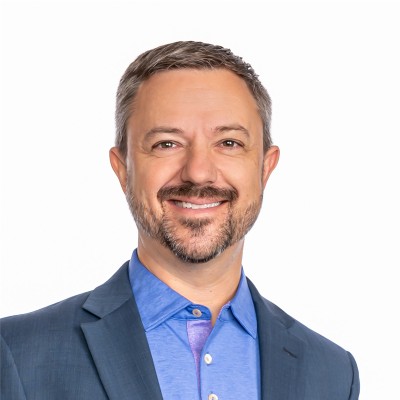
(229,128)
(162,129)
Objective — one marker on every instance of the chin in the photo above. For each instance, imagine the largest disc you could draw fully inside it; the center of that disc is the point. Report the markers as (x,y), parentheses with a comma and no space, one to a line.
(196,257)
(198,250)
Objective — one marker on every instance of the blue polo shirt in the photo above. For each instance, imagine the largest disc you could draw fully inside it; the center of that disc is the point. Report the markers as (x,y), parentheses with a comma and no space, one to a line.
(227,365)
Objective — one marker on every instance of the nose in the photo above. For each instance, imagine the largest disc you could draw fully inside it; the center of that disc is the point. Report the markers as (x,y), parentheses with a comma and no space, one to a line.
(199,167)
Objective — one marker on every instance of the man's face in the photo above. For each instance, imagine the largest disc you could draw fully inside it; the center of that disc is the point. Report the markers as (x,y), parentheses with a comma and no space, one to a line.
(195,168)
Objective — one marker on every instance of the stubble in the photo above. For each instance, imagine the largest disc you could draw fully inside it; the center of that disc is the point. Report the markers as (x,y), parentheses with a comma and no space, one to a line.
(194,240)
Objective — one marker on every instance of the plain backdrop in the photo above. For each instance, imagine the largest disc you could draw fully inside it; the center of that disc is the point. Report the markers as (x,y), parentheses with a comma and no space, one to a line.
(326,245)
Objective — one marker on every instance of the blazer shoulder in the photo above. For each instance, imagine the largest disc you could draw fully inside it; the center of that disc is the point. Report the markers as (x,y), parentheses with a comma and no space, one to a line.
(307,335)
(277,316)
(75,308)
(323,358)
(60,314)
(66,316)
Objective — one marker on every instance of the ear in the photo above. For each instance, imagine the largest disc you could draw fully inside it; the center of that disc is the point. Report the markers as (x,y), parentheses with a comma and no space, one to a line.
(271,158)
(119,166)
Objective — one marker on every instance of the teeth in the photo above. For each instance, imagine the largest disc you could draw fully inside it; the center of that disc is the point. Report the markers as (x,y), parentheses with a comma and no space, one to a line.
(184,204)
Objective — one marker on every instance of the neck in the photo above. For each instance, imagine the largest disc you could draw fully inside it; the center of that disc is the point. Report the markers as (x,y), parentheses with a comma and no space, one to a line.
(211,284)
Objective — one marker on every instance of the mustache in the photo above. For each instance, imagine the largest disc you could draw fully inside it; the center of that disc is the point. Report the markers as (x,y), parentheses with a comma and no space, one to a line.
(192,190)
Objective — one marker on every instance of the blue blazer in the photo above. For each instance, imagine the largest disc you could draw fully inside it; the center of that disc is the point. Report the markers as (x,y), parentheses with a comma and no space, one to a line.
(93,346)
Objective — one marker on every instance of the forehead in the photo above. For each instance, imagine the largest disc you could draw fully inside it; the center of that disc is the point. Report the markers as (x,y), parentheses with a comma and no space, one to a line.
(195,91)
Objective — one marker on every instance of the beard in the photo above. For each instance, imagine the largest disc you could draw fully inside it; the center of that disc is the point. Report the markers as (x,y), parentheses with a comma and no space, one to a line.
(194,240)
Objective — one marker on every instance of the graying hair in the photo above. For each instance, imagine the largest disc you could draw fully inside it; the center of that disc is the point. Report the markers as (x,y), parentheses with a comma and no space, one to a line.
(185,55)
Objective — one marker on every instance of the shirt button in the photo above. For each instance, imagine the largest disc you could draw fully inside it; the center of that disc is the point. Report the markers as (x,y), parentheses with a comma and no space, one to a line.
(208,358)
(197,313)
(212,396)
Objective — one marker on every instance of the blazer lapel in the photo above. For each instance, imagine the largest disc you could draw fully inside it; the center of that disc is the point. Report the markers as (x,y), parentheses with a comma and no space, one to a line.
(118,343)
(281,353)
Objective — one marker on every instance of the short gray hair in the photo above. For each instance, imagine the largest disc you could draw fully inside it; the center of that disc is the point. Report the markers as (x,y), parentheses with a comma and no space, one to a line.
(185,55)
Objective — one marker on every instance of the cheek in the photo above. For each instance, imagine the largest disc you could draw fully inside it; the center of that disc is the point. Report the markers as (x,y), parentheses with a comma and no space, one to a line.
(245,176)
(149,176)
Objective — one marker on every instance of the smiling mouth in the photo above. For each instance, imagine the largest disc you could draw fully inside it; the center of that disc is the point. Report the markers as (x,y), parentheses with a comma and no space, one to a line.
(185,204)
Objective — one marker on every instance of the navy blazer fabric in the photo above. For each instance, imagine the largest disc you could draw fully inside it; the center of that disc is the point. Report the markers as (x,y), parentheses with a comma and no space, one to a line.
(93,346)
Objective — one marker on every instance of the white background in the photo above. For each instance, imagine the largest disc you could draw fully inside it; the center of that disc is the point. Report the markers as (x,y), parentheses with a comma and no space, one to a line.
(326,246)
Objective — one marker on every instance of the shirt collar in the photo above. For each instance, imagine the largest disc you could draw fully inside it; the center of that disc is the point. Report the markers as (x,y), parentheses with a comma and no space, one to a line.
(242,307)
(157,302)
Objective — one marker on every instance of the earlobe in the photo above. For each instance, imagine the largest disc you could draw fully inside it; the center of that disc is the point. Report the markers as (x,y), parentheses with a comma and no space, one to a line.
(119,166)
(271,158)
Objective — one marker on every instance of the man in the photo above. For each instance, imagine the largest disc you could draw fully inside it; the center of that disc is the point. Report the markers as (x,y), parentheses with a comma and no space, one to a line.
(180,320)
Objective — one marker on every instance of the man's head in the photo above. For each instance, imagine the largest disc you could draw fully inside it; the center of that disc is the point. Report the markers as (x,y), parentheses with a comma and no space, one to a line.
(185,55)
(193,148)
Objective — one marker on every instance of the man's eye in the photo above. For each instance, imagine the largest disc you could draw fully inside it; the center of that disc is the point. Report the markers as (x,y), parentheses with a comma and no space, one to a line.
(230,143)
(164,145)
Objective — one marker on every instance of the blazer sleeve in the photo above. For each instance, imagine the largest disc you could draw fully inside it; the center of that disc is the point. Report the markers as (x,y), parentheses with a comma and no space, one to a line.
(10,383)
(355,387)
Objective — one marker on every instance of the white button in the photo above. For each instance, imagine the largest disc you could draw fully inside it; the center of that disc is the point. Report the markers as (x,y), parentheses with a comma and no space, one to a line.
(208,358)
(197,313)
(212,396)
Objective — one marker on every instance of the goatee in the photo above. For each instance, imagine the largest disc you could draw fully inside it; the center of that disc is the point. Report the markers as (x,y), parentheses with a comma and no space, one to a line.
(194,240)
